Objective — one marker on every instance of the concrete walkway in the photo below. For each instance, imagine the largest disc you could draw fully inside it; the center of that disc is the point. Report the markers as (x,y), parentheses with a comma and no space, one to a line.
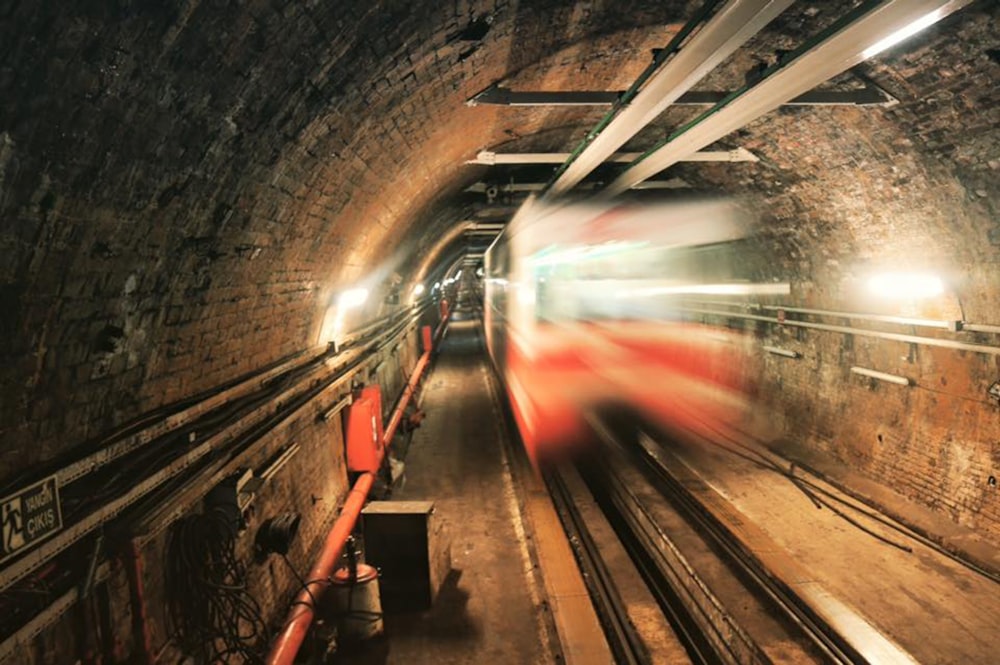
(490,608)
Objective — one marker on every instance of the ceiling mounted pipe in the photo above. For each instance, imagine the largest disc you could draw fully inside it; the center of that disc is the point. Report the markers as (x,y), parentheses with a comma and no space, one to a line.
(728,29)
(858,36)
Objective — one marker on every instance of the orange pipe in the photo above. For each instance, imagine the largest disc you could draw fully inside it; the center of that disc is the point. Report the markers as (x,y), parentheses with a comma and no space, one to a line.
(300,617)
(137,596)
(411,387)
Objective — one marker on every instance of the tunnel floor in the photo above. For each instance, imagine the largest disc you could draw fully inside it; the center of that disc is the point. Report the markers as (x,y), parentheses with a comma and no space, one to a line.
(935,608)
(489,608)
(492,608)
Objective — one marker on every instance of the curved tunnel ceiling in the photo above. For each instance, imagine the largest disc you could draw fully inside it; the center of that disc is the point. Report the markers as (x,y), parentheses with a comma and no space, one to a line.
(185,189)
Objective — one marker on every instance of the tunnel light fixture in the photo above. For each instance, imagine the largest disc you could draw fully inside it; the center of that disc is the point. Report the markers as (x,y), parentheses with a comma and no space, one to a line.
(924,21)
(881,376)
(735,289)
(335,318)
(905,285)
(784,353)
(352,298)
(418,290)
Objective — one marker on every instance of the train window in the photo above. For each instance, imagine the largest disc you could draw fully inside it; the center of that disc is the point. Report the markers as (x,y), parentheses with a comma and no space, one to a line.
(619,281)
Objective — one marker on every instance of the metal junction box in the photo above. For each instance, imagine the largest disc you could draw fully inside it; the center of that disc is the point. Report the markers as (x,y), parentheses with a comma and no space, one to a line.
(406,541)
(363,424)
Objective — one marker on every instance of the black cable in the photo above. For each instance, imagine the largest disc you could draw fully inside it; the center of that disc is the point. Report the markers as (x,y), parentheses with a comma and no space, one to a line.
(303,584)
(759,459)
(210,608)
(889,523)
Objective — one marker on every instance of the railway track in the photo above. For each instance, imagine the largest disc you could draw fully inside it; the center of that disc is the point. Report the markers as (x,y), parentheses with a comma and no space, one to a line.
(726,593)
(718,598)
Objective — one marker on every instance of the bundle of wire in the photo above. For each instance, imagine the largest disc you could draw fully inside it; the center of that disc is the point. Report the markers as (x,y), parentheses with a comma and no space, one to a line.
(211,611)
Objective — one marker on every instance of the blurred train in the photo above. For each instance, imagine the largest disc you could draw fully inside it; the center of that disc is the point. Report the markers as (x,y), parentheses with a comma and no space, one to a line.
(586,307)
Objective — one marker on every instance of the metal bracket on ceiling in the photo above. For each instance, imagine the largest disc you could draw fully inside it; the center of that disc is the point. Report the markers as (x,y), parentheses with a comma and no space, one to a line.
(870,95)
(489,158)
(528,187)
(497,95)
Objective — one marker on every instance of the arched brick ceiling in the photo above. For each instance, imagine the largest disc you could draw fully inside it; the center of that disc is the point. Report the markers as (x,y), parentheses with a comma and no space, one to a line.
(184,187)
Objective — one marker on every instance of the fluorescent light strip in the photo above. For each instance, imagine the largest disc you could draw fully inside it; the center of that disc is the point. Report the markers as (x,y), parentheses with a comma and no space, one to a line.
(785,353)
(778,289)
(881,376)
(924,21)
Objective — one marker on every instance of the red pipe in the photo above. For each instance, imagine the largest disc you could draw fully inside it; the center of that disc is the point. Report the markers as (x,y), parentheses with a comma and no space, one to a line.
(287,645)
(289,641)
(411,386)
(137,597)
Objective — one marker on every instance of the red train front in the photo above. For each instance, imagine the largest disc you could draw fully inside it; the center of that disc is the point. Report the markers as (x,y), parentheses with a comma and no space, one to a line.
(587,304)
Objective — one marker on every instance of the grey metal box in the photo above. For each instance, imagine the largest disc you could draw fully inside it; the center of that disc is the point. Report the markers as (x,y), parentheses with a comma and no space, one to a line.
(405,540)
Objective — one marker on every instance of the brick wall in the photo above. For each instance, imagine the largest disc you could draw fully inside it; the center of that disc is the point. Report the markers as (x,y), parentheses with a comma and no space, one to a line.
(185,188)
(843,192)
(313,483)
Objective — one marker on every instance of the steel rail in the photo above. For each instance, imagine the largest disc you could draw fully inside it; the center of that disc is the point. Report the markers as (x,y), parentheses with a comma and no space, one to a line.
(864,645)
(701,622)
(797,611)
(626,645)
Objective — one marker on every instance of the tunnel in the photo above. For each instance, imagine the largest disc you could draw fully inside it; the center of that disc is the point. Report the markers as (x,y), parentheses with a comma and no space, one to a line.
(252,405)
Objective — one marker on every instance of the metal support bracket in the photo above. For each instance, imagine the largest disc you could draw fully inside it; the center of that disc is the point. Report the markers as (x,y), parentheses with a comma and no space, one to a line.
(495,95)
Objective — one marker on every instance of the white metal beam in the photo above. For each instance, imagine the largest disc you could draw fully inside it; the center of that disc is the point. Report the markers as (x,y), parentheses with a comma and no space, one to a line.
(489,158)
(863,38)
(727,30)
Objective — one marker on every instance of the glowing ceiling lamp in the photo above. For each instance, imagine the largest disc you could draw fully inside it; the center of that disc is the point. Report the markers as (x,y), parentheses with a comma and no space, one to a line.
(418,290)
(905,285)
(924,21)
(352,298)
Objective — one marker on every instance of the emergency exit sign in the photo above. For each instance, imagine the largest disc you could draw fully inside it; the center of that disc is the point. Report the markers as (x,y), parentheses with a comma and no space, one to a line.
(29,516)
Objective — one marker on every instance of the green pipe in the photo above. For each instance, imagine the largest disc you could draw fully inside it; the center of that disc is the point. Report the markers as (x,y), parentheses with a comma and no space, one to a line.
(626,97)
(781,63)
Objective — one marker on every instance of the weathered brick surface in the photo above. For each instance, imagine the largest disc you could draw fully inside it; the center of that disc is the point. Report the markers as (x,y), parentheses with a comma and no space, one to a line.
(313,483)
(844,192)
(933,442)
(185,188)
